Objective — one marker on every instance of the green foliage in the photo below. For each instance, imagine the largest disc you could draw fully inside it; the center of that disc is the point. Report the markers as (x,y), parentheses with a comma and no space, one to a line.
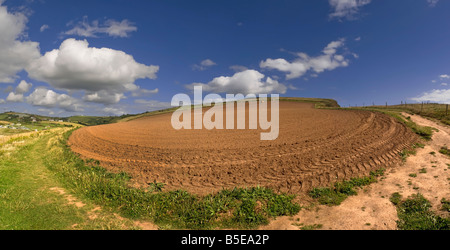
(445,205)
(414,214)
(396,198)
(445,151)
(335,195)
(319,103)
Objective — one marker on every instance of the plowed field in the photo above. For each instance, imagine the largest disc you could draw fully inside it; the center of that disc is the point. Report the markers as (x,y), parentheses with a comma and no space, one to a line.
(315,147)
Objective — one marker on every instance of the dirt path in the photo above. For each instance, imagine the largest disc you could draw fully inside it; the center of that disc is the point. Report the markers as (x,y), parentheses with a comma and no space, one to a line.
(371,208)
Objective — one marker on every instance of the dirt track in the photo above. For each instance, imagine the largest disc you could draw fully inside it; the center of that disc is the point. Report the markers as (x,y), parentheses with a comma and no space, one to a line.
(315,147)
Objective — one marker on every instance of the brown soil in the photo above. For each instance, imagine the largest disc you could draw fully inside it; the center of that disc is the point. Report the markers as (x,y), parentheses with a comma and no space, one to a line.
(315,147)
(371,208)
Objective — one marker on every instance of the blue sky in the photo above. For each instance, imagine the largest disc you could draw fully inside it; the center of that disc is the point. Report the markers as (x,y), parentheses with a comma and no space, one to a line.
(111,57)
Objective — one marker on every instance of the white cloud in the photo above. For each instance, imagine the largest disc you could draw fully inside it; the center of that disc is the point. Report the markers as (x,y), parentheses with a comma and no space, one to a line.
(50,99)
(15,53)
(346,8)
(444,84)
(238,68)
(103,97)
(76,66)
(153,103)
(329,60)
(436,95)
(245,82)
(444,76)
(2,101)
(110,27)
(44,28)
(23,87)
(432,3)
(17,95)
(141,92)
(205,64)
(113,111)
(13,97)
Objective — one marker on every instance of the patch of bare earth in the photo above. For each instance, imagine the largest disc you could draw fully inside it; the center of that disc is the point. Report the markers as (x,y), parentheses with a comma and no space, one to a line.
(96,213)
(371,208)
(315,147)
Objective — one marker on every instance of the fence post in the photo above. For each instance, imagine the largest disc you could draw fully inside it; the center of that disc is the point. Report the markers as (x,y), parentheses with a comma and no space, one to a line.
(446,111)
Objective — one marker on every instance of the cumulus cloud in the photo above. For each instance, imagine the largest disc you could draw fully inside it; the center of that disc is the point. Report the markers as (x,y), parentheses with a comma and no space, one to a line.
(110,27)
(205,64)
(2,101)
(329,60)
(113,111)
(23,87)
(436,95)
(444,76)
(103,97)
(346,8)
(245,82)
(15,52)
(98,71)
(13,97)
(141,92)
(50,99)
(17,95)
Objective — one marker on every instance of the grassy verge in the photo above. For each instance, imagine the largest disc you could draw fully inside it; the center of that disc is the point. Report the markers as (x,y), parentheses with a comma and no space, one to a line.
(335,195)
(318,102)
(30,194)
(431,110)
(25,199)
(238,208)
(414,214)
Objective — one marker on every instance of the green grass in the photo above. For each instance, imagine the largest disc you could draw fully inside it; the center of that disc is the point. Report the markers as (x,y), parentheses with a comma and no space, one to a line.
(445,205)
(25,199)
(28,200)
(237,208)
(445,151)
(319,102)
(414,214)
(432,110)
(335,195)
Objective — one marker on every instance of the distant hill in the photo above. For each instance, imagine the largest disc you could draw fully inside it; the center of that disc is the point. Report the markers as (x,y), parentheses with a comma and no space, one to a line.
(14,117)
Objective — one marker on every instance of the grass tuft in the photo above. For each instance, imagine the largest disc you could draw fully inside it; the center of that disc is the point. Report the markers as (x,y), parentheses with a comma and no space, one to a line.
(414,214)
(335,195)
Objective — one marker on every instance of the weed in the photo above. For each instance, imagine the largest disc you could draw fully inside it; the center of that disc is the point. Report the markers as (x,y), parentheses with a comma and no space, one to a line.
(335,195)
(445,205)
(406,153)
(414,214)
(445,151)
(396,198)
